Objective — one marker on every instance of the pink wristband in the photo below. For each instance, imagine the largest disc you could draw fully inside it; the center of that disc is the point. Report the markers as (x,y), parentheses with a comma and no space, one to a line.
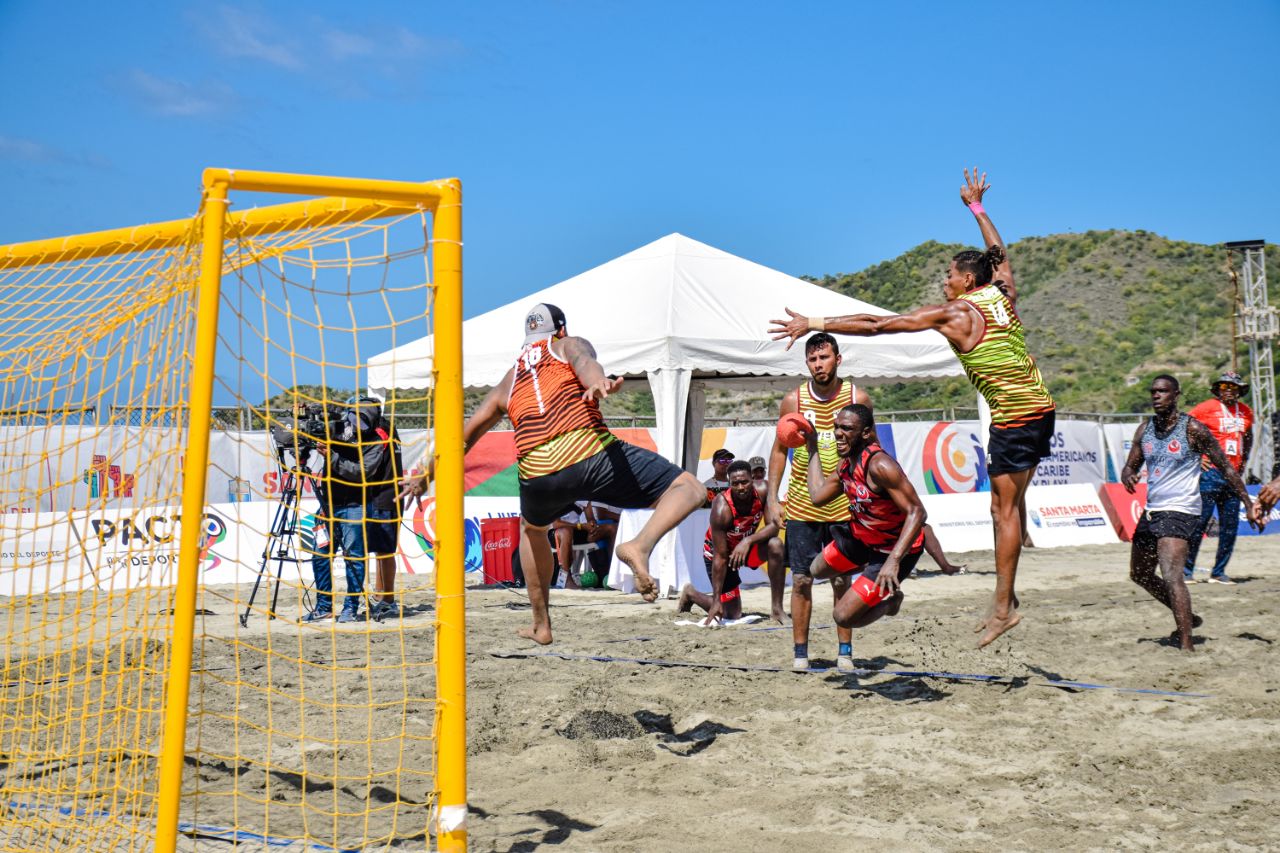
(976,208)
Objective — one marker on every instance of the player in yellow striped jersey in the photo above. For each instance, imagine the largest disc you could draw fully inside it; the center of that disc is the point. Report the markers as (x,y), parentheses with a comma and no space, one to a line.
(980,322)
(807,526)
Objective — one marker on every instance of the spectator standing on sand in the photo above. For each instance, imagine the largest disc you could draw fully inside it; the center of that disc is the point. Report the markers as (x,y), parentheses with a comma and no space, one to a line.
(1231,423)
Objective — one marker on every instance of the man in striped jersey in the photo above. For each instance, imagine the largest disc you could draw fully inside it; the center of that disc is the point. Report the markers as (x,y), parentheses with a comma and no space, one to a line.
(808,526)
(980,322)
(565,453)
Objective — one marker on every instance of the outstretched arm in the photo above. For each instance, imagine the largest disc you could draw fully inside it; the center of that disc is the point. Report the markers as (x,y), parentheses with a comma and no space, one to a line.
(1202,440)
(971,194)
(953,320)
(1268,498)
(486,416)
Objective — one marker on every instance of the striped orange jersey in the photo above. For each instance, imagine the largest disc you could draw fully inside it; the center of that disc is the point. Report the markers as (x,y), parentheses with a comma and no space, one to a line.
(1000,367)
(821,414)
(554,426)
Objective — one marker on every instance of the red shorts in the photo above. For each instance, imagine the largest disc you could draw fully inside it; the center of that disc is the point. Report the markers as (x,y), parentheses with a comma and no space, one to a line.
(756,557)
(868,563)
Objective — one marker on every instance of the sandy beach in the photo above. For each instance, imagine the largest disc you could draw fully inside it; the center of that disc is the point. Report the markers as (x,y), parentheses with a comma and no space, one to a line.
(588,755)
(1084,727)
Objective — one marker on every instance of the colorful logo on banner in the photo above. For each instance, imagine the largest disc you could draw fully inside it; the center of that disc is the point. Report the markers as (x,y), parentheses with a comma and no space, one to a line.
(107,480)
(212,531)
(954,460)
(424,527)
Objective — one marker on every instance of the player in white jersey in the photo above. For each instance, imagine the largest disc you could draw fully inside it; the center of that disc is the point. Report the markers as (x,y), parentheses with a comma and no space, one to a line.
(1170,444)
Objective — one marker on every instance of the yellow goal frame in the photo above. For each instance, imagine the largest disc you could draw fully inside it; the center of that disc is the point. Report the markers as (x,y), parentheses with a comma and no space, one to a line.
(341,200)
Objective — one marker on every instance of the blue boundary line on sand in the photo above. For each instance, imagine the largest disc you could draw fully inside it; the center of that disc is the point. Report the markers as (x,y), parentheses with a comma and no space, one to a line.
(234,835)
(905,673)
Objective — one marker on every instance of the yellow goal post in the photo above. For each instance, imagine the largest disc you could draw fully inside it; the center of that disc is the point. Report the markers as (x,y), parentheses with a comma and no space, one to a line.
(88,690)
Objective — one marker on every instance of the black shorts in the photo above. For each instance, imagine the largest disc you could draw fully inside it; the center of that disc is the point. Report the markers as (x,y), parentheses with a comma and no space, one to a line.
(846,553)
(1165,525)
(732,580)
(1019,448)
(621,475)
(382,532)
(805,540)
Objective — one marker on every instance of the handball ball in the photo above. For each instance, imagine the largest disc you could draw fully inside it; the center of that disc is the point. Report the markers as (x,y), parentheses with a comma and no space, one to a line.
(793,429)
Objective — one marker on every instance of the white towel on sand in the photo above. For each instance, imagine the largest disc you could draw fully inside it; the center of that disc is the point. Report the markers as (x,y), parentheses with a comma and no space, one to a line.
(721,623)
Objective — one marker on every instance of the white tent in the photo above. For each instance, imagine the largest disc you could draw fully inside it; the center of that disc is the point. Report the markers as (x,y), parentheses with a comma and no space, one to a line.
(681,314)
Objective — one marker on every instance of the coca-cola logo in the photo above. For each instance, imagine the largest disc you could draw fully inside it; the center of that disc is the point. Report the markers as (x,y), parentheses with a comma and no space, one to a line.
(498,544)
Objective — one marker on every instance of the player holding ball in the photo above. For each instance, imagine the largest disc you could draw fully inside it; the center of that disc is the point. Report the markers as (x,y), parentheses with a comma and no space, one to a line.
(807,526)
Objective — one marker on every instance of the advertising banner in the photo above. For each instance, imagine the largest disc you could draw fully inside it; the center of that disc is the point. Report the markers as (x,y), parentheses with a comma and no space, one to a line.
(1123,509)
(1119,440)
(1273,520)
(942,458)
(961,522)
(1077,455)
(1067,515)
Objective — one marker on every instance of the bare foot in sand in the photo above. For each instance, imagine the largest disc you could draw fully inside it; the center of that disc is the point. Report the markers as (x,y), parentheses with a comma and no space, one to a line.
(628,553)
(685,602)
(780,616)
(540,634)
(996,627)
(991,611)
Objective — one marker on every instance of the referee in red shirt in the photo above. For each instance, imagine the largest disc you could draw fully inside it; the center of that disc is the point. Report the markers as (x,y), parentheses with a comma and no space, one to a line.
(1231,423)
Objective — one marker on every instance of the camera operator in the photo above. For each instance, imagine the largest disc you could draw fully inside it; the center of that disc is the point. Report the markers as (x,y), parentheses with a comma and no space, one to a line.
(298,437)
(387,500)
(362,495)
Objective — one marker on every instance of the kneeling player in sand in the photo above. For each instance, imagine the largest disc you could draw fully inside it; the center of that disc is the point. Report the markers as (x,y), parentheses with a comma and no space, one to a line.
(885,535)
(733,541)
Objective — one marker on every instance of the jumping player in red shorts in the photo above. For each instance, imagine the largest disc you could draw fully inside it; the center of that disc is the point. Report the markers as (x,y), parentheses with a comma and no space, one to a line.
(885,535)
(735,539)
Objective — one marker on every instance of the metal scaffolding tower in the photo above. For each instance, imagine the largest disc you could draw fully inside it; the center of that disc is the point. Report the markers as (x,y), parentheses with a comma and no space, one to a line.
(1258,325)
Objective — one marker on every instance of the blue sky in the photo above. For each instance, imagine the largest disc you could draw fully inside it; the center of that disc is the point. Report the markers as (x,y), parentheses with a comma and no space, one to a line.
(814,138)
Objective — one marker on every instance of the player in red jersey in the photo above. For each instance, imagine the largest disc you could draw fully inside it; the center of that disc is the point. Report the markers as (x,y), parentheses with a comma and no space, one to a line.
(736,539)
(565,453)
(885,535)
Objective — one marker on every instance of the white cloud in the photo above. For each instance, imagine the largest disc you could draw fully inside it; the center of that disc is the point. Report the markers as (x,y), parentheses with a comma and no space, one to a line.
(243,34)
(169,97)
(16,148)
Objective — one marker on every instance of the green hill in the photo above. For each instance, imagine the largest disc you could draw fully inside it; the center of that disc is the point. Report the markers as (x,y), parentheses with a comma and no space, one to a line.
(1104,310)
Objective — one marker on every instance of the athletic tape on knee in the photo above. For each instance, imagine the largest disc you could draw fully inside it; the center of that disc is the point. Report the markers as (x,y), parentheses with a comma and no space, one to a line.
(730,595)
(867,590)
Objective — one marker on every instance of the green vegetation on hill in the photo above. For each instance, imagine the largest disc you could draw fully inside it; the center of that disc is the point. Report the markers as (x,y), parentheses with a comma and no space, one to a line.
(1104,310)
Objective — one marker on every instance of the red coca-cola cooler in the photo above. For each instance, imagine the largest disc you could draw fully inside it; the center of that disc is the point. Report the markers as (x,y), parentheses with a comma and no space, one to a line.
(500,541)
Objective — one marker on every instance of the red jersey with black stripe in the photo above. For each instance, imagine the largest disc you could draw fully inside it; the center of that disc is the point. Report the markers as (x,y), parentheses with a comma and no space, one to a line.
(877,521)
(554,426)
(742,525)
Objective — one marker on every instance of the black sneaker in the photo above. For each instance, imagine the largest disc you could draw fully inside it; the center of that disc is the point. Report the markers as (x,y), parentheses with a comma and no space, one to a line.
(386,610)
(350,614)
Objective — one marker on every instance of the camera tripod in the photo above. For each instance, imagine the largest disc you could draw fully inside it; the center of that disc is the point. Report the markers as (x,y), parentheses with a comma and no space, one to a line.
(284,526)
